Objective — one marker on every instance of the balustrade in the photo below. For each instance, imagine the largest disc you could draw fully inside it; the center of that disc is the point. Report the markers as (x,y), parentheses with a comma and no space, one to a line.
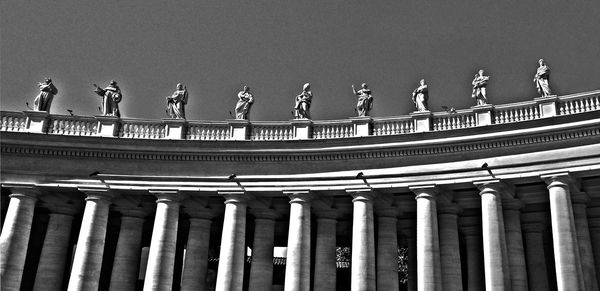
(516,112)
(392,126)
(13,121)
(448,121)
(72,125)
(577,104)
(208,131)
(147,129)
(333,129)
(271,131)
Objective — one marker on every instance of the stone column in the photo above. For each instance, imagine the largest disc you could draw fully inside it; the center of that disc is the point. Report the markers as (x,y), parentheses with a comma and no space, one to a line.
(362,266)
(594,224)
(125,269)
(429,273)
(450,247)
(196,255)
(387,249)
(580,201)
(325,259)
(297,267)
(161,256)
(15,236)
(495,256)
(569,275)
(474,247)
(85,271)
(536,258)
(261,268)
(514,244)
(230,275)
(51,267)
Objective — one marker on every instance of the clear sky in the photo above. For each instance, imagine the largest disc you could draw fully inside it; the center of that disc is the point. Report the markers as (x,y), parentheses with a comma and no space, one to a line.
(214,47)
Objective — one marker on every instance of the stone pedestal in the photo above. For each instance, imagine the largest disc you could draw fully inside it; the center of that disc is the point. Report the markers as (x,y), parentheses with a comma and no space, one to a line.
(429,273)
(239,128)
(230,274)
(548,105)
(37,121)
(175,128)
(484,114)
(261,267)
(15,236)
(362,125)
(325,266)
(108,126)
(569,275)
(87,262)
(302,128)
(161,256)
(422,121)
(297,267)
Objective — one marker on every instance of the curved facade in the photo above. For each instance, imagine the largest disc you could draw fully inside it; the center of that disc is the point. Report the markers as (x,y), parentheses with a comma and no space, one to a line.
(493,197)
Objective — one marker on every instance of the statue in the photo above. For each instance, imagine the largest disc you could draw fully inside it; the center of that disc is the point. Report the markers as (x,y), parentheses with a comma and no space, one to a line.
(242,107)
(479,88)
(365,100)
(303,100)
(111,96)
(420,96)
(176,102)
(43,101)
(541,78)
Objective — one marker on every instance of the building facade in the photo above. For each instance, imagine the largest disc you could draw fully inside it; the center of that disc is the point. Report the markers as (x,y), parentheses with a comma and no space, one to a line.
(503,197)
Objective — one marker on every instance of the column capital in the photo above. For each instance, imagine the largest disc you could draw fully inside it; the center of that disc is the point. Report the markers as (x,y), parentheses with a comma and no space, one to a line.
(512,204)
(97,194)
(63,208)
(425,191)
(362,195)
(166,196)
(23,190)
(264,213)
(563,179)
(495,186)
(235,197)
(301,196)
(449,208)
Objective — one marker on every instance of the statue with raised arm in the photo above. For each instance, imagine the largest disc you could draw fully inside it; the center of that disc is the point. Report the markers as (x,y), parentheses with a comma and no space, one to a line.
(365,100)
(43,101)
(176,102)
(542,78)
(303,100)
(479,88)
(245,100)
(111,96)
(420,96)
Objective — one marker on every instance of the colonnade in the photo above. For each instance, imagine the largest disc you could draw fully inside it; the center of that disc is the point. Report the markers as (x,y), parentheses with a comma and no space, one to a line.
(501,250)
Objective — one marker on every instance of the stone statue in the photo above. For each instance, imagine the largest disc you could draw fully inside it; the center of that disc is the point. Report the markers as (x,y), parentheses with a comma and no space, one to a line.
(111,96)
(541,78)
(43,101)
(303,100)
(242,107)
(365,100)
(479,88)
(420,96)
(176,102)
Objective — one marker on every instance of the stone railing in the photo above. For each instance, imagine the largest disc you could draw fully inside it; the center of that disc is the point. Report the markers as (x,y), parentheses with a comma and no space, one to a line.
(107,126)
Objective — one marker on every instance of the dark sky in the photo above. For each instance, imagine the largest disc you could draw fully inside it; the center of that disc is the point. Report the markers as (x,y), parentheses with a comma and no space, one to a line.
(214,47)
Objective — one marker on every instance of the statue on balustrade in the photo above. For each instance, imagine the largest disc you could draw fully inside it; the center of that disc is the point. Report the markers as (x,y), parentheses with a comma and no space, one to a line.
(43,101)
(245,100)
(303,100)
(479,88)
(542,78)
(111,96)
(420,96)
(365,100)
(177,101)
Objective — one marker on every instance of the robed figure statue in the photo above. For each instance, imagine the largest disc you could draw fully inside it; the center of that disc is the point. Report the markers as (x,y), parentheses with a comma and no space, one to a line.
(245,100)
(111,96)
(176,102)
(303,100)
(542,78)
(365,100)
(420,96)
(43,101)
(479,88)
